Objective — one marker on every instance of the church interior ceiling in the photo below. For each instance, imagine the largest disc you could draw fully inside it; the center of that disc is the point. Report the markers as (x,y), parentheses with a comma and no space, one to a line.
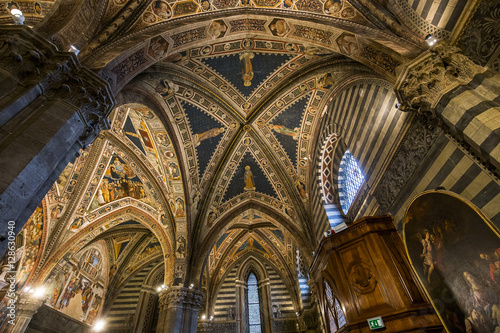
(211,156)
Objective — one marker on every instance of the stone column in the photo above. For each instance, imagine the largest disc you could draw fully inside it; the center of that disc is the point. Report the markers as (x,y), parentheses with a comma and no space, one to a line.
(50,108)
(179,310)
(240,311)
(444,83)
(26,307)
(265,301)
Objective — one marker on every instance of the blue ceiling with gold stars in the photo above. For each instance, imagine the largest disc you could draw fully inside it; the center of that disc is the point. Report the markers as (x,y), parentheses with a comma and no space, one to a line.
(207,133)
(231,68)
(238,181)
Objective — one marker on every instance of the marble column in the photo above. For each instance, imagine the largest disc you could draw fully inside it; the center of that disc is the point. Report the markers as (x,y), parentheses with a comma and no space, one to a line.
(51,107)
(179,307)
(443,83)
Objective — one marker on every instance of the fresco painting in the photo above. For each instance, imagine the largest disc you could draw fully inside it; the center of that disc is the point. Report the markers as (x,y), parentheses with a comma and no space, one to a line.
(119,181)
(28,245)
(463,285)
(76,289)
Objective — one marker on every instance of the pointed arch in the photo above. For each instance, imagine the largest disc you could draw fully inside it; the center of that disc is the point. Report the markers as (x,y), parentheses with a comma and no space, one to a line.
(223,223)
(103,223)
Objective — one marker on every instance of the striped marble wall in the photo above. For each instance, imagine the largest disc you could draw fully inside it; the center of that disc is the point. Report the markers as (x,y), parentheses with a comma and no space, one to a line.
(122,313)
(435,17)
(280,295)
(472,112)
(365,117)
(450,166)
(225,303)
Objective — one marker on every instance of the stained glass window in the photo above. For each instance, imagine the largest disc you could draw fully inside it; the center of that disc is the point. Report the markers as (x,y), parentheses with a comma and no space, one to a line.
(350,180)
(336,317)
(253,305)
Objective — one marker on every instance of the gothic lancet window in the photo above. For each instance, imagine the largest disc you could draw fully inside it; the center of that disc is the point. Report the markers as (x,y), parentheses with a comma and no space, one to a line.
(253,305)
(336,317)
(350,180)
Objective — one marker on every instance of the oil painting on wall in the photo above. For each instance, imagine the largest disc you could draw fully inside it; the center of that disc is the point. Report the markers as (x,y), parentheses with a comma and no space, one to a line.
(464,286)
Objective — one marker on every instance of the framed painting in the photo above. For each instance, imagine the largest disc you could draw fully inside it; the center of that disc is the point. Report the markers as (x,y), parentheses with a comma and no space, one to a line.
(455,252)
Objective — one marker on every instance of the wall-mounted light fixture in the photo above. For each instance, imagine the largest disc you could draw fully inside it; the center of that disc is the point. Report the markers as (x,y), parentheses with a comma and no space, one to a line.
(17,15)
(430,40)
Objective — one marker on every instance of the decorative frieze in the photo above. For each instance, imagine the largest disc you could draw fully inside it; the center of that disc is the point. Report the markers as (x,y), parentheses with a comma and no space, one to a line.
(417,142)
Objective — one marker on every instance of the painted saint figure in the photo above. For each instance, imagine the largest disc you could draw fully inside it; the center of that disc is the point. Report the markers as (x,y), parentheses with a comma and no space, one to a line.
(211,133)
(246,68)
(249,183)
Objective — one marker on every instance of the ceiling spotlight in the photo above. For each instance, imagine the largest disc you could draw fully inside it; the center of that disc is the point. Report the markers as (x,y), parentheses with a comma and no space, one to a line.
(17,15)
(430,40)
(99,326)
(203,317)
(38,292)
(74,49)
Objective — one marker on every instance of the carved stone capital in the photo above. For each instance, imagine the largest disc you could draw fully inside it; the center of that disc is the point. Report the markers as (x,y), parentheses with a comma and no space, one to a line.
(422,82)
(27,305)
(180,296)
(34,62)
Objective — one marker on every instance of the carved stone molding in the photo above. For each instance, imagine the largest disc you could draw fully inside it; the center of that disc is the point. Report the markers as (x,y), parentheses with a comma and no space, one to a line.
(180,297)
(204,325)
(422,82)
(27,305)
(34,62)
(415,145)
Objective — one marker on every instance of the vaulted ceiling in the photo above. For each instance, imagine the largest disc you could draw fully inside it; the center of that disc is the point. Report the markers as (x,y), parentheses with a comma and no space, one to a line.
(213,144)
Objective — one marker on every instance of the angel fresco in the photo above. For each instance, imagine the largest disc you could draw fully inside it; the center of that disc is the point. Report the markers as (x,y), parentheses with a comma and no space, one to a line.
(211,133)
(285,130)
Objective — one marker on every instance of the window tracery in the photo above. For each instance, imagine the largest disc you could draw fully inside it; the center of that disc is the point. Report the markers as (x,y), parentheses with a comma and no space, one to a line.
(350,179)
(336,316)
(253,305)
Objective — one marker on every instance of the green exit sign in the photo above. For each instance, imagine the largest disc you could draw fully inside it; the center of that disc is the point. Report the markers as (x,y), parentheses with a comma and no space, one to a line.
(376,323)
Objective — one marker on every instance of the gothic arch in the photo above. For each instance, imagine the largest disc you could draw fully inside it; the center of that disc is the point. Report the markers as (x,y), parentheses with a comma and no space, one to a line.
(84,236)
(223,223)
